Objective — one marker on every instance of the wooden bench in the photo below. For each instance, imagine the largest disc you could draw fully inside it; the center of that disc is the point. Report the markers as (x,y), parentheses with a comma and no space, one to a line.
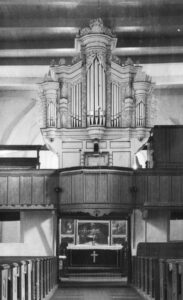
(158,270)
(27,278)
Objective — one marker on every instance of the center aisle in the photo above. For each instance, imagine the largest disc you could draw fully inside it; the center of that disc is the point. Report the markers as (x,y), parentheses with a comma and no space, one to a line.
(96,293)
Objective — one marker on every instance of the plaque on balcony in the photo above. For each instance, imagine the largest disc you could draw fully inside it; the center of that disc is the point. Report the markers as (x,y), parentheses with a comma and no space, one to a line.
(99,159)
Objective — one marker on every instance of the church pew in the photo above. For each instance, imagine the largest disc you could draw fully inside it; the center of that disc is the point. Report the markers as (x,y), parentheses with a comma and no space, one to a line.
(158,270)
(27,279)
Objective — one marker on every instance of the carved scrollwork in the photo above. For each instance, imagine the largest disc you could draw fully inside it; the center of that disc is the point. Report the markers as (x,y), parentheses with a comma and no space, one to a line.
(96,26)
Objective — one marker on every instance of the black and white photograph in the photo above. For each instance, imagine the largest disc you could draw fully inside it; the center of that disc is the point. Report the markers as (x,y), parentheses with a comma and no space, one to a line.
(91,149)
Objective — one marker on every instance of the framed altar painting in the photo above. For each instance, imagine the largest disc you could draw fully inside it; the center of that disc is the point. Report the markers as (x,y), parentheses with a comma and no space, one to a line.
(93,232)
(118,232)
(67,231)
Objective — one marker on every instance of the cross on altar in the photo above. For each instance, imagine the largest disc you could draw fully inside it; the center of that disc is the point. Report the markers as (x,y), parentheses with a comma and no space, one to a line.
(94,255)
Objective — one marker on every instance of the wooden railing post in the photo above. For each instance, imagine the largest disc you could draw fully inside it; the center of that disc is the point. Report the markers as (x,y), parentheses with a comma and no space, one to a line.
(41,279)
(29,279)
(37,273)
(162,273)
(156,279)
(174,281)
(33,281)
(138,271)
(23,271)
(181,279)
(146,270)
(44,278)
(4,269)
(150,277)
(14,282)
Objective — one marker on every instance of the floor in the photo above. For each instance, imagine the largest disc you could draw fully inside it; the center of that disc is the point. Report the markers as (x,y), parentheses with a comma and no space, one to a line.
(96,293)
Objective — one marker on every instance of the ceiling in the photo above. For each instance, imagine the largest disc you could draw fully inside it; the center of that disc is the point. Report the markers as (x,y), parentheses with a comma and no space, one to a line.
(33,32)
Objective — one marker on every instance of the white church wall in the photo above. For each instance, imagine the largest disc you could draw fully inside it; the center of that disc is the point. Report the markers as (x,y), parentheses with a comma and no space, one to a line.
(18,118)
(137,230)
(154,228)
(38,236)
(157,226)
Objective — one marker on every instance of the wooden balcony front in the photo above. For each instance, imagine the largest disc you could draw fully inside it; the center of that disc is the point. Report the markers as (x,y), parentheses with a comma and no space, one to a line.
(157,188)
(91,189)
(27,189)
(95,190)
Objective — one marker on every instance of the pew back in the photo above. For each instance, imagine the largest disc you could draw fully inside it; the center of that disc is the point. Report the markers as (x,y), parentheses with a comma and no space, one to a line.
(160,250)
(158,270)
(26,278)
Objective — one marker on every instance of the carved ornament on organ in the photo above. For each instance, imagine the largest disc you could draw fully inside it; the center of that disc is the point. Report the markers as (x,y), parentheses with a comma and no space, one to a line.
(96,92)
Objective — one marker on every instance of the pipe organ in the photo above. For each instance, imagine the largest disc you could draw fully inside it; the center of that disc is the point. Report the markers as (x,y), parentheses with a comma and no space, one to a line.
(115,105)
(96,93)
(76,105)
(140,114)
(96,44)
(95,97)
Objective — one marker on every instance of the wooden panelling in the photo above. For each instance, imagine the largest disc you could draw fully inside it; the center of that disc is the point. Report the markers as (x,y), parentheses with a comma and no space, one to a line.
(113,188)
(66,189)
(28,187)
(141,187)
(13,190)
(168,146)
(175,144)
(177,189)
(125,185)
(77,187)
(90,188)
(38,189)
(3,190)
(153,189)
(51,194)
(160,144)
(25,190)
(102,188)
(165,189)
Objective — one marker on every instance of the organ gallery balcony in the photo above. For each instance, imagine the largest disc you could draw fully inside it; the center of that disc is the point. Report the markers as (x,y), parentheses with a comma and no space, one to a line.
(92,190)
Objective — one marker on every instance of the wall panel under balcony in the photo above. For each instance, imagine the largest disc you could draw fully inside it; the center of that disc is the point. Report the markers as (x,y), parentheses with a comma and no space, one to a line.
(13,190)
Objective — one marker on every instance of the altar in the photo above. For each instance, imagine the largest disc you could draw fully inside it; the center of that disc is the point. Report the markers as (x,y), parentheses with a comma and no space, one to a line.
(94,245)
(94,256)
